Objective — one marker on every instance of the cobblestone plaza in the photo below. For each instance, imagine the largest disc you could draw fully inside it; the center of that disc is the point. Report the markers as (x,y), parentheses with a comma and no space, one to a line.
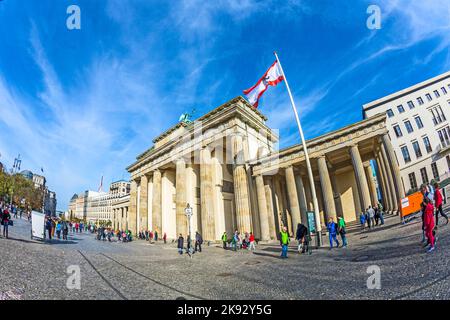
(139,270)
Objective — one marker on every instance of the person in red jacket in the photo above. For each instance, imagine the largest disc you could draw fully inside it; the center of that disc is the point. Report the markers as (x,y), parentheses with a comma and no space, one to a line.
(438,204)
(429,223)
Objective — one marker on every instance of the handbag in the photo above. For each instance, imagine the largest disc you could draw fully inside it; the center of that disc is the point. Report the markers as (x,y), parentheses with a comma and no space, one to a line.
(10,223)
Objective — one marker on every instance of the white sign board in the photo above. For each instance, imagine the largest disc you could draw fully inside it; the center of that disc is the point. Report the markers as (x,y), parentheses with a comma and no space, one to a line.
(37,225)
(405,202)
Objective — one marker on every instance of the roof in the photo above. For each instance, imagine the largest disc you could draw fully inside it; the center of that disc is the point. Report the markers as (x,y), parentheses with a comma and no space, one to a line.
(405,92)
(202,118)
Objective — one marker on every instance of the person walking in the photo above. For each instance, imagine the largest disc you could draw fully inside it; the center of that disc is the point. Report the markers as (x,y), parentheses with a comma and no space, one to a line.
(251,238)
(342,231)
(49,226)
(198,242)
(429,223)
(224,240)
(6,216)
(234,241)
(438,204)
(371,216)
(332,232)
(362,221)
(180,244)
(156,235)
(65,230)
(53,227)
(380,212)
(58,230)
(426,195)
(284,242)
(165,238)
(301,237)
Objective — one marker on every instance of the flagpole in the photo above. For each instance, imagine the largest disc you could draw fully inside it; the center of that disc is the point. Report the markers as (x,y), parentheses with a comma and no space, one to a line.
(308,163)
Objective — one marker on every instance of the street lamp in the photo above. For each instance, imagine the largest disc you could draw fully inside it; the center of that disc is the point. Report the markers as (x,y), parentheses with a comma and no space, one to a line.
(15,168)
(188,213)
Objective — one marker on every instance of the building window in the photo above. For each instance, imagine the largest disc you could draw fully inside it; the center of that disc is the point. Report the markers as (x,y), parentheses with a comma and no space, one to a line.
(398,131)
(400,109)
(444,91)
(448,162)
(416,148)
(438,115)
(419,122)
(420,101)
(408,126)
(410,104)
(389,113)
(429,97)
(444,136)
(412,180)
(405,153)
(435,171)
(427,144)
(424,174)
(436,93)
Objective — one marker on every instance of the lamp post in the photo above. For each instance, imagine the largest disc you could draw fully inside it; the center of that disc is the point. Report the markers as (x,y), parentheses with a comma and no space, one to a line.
(14,170)
(188,213)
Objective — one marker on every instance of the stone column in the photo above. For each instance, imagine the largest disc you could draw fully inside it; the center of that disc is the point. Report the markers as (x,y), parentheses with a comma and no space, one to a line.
(302,199)
(381,183)
(390,180)
(371,183)
(360,176)
(132,216)
(262,208)
(156,202)
(143,203)
(181,219)
(293,197)
(270,208)
(327,191)
(242,198)
(386,184)
(206,195)
(394,167)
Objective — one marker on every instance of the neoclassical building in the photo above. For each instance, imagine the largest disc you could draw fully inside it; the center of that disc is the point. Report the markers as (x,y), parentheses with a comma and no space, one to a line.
(227,167)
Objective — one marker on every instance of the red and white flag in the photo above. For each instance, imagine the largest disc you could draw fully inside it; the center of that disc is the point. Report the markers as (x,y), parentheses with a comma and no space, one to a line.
(272,77)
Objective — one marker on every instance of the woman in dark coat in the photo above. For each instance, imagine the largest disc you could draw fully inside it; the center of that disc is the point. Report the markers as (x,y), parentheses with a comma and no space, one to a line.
(180,244)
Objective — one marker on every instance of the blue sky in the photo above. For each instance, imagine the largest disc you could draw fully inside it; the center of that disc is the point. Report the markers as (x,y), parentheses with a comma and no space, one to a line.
(84,103)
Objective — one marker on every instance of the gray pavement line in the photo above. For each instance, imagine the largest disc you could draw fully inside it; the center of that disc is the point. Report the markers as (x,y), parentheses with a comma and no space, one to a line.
(422,287)
(153,280)
(101,276)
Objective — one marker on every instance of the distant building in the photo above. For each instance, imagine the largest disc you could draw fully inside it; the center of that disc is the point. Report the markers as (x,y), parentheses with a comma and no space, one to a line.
(49,196)
(97,206)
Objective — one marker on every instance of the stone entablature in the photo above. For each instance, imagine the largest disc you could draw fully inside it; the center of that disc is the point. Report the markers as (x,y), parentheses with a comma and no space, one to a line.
(234,117)
(342,138)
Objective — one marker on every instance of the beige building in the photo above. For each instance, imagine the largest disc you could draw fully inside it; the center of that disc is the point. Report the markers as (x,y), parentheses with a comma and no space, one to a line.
(226,166)
(98,206)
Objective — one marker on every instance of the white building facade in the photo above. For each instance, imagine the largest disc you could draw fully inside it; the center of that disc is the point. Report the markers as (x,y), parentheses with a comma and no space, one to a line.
(418,123)
(95,206)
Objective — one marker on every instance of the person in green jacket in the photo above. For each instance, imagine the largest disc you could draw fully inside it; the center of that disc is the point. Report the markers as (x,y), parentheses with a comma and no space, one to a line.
(284,242)
(224,240)
(342,231)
